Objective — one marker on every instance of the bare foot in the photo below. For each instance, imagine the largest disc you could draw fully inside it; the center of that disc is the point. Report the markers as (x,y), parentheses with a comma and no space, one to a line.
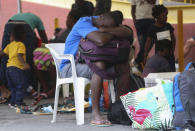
(99,121)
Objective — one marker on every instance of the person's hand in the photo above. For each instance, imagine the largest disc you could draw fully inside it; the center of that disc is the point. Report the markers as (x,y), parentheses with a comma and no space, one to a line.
(190,42)
(134,21)
(102,29)
(26,66)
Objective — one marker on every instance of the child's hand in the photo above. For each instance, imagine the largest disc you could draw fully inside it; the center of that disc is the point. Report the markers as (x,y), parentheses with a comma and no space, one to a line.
(26,66)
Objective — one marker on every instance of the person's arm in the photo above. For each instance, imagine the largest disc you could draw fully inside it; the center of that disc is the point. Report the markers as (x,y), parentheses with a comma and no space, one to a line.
(121,32)
(2,53)
(187,47)
(100,38)
(173,41)
(147,47)
(151,1)
(20,58)
(43,36)
(133,10)
(106,34)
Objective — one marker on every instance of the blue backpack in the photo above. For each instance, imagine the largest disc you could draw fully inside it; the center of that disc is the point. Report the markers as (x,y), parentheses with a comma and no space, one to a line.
(184,98)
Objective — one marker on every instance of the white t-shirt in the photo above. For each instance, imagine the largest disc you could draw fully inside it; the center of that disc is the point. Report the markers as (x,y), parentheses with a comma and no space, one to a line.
(143,9)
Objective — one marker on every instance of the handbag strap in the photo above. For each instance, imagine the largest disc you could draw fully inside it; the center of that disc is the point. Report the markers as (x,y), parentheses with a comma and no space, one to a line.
(189,65)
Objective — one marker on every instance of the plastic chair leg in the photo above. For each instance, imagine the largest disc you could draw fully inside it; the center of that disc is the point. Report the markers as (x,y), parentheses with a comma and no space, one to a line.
(56,103)
(79,101)
(112,92)
(65,88)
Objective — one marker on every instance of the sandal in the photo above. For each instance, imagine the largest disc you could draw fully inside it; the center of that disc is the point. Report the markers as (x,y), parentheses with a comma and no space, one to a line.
(44,96)
(101,123)
(41,96)
(4,100)
(38,98)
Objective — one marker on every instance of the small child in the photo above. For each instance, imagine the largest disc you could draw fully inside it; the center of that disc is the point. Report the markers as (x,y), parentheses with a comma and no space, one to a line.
(158,62)
(16,65)
(159,31)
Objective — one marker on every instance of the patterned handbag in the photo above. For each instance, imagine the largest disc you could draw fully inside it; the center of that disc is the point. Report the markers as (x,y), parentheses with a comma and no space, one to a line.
(150,108)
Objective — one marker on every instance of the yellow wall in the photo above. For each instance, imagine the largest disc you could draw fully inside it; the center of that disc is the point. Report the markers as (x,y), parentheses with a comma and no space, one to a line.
(125,7)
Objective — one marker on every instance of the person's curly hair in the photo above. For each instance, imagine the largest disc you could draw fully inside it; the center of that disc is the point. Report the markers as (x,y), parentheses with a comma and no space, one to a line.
(18,32)
(157,10)
(116,15)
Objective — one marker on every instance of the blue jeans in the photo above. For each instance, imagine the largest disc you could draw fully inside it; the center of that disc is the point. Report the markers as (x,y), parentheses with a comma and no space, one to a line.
(17,83)
(142,27)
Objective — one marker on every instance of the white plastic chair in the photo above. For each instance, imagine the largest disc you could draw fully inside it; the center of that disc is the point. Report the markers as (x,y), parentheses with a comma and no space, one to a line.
(79,83)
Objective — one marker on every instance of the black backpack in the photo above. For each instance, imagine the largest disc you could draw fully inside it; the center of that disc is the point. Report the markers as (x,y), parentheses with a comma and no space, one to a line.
(117,114)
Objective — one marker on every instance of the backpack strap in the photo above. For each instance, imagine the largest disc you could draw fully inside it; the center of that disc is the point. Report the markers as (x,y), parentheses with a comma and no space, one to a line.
(188,65)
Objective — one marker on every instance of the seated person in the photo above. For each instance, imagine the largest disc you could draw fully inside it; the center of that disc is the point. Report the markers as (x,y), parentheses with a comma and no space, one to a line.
(158,62)
(188,45)
(56,31)
(72,17)
(99,29)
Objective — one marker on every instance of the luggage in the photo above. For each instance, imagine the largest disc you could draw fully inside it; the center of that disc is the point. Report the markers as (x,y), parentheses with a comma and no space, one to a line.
(184,99)
(111,53)
(150,108)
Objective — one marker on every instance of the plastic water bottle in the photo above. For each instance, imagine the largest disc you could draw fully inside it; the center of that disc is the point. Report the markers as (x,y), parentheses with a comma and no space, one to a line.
(90,101)
(102,103)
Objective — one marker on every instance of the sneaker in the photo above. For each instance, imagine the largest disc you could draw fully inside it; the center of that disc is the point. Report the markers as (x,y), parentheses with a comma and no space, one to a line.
(12,106)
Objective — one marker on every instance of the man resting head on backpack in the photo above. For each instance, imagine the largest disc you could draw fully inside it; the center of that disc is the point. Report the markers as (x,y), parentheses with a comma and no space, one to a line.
(101,30)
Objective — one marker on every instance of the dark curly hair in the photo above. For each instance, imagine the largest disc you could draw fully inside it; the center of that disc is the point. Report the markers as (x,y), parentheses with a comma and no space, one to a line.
(116,15)
(18,32)
(157,10)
